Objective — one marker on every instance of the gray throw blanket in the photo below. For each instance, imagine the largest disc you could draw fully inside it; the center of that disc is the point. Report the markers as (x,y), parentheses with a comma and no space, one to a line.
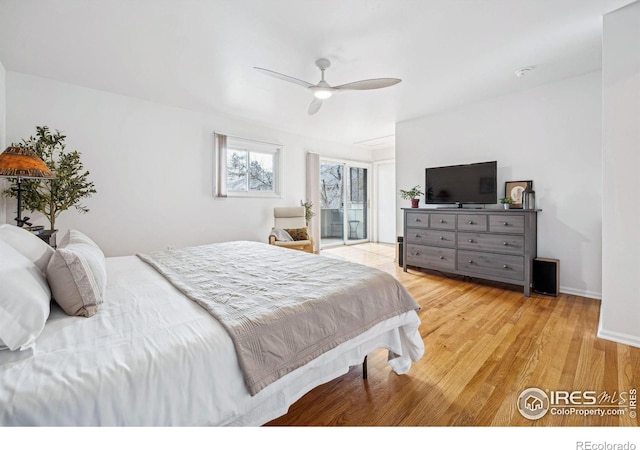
(281,307)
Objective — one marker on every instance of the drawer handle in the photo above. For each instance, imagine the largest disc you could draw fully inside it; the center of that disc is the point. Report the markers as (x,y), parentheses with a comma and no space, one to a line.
(418,220)
(441,221)
(506,224)
(470,261)
(415,254)
(417,235)
(442,238)
(504,266)
(505,243)
(470,222)
(441,257)
(470,240)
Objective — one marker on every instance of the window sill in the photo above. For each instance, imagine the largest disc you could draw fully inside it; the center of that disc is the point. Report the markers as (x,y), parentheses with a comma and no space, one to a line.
(252,195)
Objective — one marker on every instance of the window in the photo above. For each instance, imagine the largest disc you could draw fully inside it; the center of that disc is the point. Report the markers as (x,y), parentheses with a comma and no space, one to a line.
(246,168)
(358,184)
(249,171)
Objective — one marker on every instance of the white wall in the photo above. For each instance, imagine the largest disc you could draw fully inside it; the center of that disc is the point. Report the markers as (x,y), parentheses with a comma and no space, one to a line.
(551,135)
(620,309)
(384,201)
(384,153)
(152,166)
(384,197)
(3,136)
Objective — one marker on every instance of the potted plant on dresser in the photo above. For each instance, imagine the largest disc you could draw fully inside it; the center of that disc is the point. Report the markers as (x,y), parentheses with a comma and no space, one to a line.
(506,202)
(70,185)
(412,194)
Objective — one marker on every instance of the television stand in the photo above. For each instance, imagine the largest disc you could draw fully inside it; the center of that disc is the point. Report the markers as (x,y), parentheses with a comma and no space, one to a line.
(491,244)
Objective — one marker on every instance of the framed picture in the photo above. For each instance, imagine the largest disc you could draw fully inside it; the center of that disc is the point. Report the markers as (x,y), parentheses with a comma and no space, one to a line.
(514,189)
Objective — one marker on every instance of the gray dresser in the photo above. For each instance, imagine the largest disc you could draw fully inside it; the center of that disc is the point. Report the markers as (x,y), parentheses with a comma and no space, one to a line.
(492,244)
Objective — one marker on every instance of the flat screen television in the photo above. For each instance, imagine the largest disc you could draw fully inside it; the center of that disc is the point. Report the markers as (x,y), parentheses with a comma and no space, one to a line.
(462,184)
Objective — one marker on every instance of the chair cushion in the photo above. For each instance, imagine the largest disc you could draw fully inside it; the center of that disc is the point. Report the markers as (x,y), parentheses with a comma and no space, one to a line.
(298,234)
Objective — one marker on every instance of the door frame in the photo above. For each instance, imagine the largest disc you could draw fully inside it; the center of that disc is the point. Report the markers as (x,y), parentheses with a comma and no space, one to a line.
(375,210)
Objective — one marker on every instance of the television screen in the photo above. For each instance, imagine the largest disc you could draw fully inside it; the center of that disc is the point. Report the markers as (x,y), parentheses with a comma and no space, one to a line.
(464,183)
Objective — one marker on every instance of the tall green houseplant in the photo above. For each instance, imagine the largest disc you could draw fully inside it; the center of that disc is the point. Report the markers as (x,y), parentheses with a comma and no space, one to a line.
(67,190)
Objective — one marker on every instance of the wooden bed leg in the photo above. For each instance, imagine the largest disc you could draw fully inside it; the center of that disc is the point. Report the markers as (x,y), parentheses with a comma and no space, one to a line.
(364,368)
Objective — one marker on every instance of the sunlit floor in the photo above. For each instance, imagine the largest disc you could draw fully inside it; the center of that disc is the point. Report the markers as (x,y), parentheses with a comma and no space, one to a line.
(326,243)
(485,343)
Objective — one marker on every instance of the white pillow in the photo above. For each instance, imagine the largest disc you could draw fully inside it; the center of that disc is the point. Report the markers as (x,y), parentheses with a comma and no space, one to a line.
(24,299)
(77,275)
(28,244)
(77,237)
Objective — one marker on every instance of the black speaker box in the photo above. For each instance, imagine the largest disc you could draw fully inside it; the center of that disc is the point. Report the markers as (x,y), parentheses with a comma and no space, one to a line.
(546,276)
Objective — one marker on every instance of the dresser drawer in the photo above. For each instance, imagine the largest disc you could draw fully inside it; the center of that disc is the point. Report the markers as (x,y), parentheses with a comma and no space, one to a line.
(503,266)
(442,221)
(506,223)
(472,222)
(431,237)
(502,243)
(422,256)
(418,219)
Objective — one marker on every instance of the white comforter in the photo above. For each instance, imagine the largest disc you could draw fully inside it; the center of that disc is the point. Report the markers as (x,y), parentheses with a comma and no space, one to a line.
(281,308)
(153,357)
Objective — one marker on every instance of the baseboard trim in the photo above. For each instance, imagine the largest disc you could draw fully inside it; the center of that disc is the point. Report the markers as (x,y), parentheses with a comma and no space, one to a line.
(580,293)
(620,338)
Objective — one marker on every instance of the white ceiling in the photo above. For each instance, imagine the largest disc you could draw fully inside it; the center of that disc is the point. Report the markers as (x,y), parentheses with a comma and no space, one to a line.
(200,54)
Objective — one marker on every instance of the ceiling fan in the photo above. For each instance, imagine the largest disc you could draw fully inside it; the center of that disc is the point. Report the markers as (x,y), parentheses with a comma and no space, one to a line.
(323,90)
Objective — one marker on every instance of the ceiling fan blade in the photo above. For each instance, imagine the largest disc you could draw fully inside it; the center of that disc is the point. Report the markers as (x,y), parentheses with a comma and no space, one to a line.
(315,106)
(375,83)
(284,77)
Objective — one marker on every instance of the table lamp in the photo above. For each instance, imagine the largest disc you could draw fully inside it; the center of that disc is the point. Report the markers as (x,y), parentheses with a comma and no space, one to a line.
(20,163)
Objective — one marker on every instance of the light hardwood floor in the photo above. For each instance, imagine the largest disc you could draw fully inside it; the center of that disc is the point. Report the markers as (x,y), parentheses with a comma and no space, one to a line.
(484,343)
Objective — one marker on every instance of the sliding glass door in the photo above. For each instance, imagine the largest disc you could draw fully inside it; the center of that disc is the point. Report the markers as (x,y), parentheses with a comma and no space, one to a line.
(344,198)
(331,204)
(357,211)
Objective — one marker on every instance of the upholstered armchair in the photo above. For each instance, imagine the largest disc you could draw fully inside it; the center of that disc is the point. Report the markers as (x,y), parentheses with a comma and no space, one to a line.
(290,229)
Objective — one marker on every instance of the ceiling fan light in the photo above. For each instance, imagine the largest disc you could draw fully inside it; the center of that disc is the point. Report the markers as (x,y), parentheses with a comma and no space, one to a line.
(322,93)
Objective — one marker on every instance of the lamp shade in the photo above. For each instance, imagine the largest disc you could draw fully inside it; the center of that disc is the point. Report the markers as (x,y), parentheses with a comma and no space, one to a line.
(20,162)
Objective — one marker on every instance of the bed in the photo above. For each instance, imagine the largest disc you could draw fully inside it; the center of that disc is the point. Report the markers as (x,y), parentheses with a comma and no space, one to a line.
(153,354)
